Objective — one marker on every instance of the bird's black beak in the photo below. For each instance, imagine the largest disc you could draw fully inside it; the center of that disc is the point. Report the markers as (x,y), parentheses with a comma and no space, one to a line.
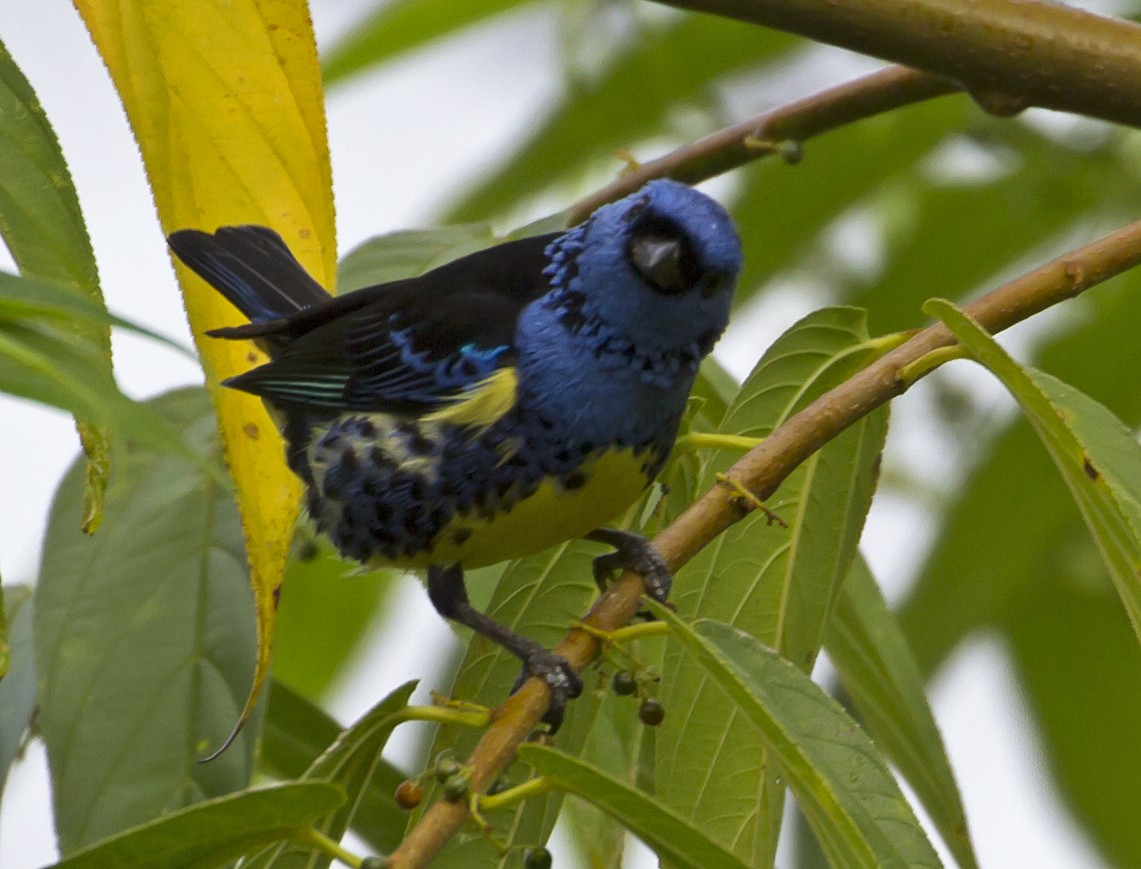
(658,260)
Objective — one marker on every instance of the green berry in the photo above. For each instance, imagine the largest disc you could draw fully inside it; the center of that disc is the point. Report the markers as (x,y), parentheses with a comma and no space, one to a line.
(456,787)
(446,766)
(537,858)
(651,712)
(624,684)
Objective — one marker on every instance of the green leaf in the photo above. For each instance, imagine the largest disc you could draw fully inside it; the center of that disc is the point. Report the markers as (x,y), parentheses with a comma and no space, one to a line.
(880,675)
(1076,659)
(672,836)
(1099,459)
(213,833)
(779,583)
(349,763)
(47,356)
(5,657)
(841,782)
(326,611)
(409,253)
(399,27)
(669,67)
(296,733)
(18,680)
(40,219)
(43,228)
(144,639)
(1013,502)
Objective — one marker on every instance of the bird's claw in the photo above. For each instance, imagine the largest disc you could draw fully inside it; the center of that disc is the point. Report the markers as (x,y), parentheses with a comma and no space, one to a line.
(631,552)
(564,683)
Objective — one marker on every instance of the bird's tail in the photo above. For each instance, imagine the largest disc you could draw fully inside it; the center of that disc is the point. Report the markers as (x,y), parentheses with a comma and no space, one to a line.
(252,267)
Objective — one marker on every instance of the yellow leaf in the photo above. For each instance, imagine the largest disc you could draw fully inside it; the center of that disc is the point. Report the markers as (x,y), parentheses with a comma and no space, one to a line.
(225,101)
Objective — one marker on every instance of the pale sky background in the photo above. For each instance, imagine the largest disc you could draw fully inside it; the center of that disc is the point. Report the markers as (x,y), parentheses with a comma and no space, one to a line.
(397,144)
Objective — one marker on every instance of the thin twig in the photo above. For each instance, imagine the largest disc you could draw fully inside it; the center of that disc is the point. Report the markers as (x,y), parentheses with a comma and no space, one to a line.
(1010,54)
(880,91)
(761,471)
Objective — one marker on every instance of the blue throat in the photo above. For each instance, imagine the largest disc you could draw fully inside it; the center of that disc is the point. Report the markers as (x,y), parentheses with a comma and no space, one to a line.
(591,381)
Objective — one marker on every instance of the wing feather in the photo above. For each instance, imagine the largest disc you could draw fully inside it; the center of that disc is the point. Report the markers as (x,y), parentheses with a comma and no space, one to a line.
(411,346)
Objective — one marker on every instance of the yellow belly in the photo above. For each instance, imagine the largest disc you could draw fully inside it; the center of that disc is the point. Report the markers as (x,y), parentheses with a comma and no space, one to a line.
(549,516)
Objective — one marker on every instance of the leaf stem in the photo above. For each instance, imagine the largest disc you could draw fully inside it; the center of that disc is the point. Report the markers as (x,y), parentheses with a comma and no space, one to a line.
(317,840)
(701,440)
(505,799)
(927,363)
(445,715)
(626,633)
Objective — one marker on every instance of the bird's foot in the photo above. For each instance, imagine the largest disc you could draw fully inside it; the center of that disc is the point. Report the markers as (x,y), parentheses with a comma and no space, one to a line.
(564,683)
(631,552)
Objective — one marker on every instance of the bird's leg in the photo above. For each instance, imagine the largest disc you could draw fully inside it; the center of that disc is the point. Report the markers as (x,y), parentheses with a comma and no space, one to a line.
(449,596)
(631,552)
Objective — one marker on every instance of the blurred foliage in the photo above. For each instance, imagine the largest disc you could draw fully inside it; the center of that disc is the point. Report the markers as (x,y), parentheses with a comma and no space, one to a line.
(937,199)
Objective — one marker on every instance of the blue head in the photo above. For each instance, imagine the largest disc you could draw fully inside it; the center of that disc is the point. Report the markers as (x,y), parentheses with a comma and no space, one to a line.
(658,267)
(639,294)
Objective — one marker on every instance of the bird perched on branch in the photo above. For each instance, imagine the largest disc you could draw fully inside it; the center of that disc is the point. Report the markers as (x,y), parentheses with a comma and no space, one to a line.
(496,406)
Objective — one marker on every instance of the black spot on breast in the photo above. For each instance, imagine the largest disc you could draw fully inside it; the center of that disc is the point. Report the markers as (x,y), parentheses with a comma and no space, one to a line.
(417,490)
(418,445)
(333,486)
(574,480)
(412,523)
(313,502)
(349,460)
(450,488)
(365,428)
(460,536)
(379,459)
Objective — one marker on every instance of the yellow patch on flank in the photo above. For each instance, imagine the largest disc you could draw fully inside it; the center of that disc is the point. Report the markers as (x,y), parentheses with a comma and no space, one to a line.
(483,404)
(552,514)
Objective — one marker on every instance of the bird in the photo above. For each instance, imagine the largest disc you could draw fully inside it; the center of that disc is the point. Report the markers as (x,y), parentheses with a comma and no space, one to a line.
(495,406)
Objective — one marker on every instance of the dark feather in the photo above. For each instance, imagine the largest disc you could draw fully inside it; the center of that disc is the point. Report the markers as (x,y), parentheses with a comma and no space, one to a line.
(252,267)
(403,346)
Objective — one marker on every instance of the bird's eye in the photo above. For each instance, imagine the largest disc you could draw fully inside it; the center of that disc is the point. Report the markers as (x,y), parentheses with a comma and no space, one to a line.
(658,260)
(662,254)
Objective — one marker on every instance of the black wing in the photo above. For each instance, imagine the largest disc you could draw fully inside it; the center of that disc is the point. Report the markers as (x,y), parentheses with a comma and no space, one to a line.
(252,267)
(405,346)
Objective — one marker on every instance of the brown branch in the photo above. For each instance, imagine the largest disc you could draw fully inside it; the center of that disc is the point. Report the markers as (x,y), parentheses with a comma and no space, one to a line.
(761,471)
(873,94)
(1011,54)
